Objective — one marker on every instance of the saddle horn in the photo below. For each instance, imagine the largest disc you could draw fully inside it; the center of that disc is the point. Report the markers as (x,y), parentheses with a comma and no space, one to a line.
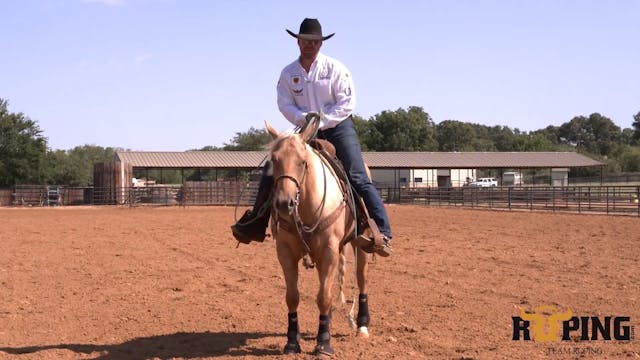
(311,125)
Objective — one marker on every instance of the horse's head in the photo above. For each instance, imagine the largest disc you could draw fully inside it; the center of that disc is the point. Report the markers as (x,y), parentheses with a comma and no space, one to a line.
(289,160)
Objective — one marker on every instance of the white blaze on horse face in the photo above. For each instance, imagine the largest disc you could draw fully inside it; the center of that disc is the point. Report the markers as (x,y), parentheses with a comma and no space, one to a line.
(289,159)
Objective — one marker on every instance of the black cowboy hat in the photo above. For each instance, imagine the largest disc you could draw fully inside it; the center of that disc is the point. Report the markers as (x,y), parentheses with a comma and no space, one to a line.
(310,29)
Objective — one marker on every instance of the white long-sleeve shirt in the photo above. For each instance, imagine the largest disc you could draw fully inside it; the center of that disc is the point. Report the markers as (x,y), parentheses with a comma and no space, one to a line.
(328,87)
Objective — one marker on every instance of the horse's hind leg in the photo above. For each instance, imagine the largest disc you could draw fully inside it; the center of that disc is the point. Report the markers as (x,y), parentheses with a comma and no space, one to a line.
(362,320)
(289,264)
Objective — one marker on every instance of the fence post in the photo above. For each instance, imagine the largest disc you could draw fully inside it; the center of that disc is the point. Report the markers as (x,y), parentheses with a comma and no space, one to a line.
(490,189)
(509,197)
(579,199)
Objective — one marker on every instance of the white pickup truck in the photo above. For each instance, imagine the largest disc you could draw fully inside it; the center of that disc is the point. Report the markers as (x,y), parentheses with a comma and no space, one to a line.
(485,182)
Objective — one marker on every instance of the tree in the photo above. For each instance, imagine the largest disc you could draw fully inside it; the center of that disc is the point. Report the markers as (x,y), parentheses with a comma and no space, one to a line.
(75,167)
(402,130)
(636,127)
(505,139)
(23,149)
(483,140)
(539,142)
(453,135)
(627,137)
(363,129)
(252,140)
(630,159)
(596,134)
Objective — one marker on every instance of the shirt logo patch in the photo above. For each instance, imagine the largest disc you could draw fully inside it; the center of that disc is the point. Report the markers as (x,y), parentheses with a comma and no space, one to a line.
(295,80)
(324,75)
(297,92)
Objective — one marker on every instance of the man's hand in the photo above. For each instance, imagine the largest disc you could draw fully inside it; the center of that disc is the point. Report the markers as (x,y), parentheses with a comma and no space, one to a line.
(311,115)
(308,119)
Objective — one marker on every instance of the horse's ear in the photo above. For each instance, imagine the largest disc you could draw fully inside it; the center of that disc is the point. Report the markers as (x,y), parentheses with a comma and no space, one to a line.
(311,128)
(273,132)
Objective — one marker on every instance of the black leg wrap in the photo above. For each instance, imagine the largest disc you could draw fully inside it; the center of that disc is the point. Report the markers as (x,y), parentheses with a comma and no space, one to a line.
(363,310)
(323,346)
(293,336)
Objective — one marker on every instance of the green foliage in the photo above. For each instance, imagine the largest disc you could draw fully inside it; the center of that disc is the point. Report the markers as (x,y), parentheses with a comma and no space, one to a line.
(455,135)
(595,135)
(538,142)
(362,129)
(636,127)
(627,137)
(23,149)
(208,148)
(401,130)
(627,158)
(75,167)
(252,140)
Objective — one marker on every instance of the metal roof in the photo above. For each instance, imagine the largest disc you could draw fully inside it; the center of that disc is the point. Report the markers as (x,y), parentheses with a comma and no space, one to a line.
(192,159)
(477,160)
(375,160)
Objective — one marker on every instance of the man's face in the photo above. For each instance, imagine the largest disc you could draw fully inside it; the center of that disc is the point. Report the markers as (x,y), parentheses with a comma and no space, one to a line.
(309,48)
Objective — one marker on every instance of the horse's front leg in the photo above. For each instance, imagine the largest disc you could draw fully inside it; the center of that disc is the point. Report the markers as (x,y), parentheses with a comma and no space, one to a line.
(289,262)
(327,265)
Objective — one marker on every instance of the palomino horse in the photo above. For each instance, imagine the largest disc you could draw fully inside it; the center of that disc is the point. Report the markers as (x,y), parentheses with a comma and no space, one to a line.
(310,221)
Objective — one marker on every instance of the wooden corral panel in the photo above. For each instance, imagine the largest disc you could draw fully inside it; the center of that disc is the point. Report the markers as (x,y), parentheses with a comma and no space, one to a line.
(111,182)
(30,195)
(219,192)
(5,197)
(76,196)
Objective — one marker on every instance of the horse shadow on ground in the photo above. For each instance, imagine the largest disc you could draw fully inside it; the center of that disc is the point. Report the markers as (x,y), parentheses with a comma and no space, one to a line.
(178,345)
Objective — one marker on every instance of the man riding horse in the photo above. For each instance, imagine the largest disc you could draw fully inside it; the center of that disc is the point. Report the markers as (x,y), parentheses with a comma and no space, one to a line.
(315,83)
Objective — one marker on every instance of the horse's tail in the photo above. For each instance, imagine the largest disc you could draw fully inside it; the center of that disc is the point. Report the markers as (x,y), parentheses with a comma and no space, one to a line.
(342,265)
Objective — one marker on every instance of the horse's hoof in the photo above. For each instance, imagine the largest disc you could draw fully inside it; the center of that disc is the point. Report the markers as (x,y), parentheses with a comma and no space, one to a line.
(292,348)
(323,350)
(363,332)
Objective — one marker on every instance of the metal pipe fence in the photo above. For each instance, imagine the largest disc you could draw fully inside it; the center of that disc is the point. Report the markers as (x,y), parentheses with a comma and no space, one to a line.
(622,200)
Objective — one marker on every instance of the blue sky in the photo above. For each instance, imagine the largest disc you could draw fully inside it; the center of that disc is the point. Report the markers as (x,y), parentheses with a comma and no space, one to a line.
(173,75)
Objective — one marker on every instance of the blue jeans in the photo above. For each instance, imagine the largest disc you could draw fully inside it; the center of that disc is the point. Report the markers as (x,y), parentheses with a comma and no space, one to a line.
(343,136)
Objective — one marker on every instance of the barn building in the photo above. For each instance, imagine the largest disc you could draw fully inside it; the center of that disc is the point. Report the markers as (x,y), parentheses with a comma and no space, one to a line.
(388,169)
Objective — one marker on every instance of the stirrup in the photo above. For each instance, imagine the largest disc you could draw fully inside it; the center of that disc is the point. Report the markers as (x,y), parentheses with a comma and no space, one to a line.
(380,246)
(376,242)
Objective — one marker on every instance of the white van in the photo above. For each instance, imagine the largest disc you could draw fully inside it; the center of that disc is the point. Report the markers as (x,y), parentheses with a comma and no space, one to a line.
(511,178)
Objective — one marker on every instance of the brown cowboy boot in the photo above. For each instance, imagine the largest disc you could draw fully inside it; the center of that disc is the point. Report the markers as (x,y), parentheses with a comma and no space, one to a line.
(380,246)
(373,241)
(253,224)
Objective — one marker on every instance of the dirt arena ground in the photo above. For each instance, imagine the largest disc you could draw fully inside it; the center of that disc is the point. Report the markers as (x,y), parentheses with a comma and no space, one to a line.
(169,283)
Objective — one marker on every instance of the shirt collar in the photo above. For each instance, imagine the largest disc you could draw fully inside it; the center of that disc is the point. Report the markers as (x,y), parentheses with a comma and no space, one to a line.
(315,63)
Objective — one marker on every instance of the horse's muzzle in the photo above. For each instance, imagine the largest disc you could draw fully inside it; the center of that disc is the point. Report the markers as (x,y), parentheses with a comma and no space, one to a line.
(285,205)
